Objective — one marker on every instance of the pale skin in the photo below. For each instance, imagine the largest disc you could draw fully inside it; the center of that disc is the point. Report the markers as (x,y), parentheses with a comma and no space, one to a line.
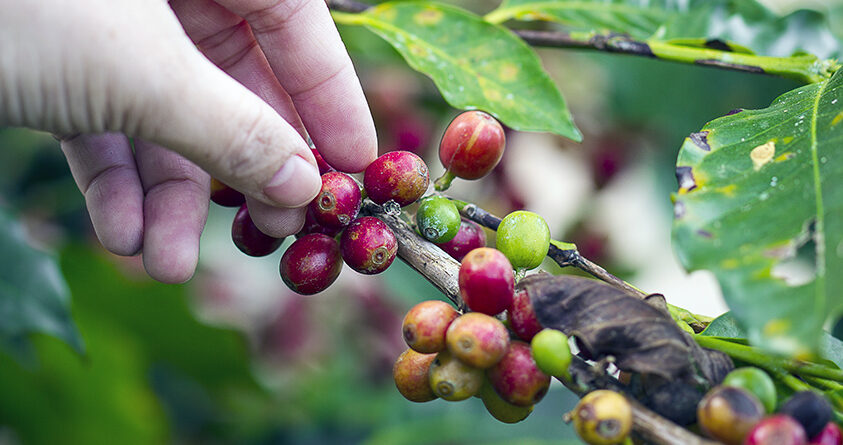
(227,88)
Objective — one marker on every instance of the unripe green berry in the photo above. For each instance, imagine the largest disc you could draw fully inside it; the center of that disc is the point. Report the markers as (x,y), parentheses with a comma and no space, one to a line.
(438,219)
(551,352)
(757,382)
(524,238)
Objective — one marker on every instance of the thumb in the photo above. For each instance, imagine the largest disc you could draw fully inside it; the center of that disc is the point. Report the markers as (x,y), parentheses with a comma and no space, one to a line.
(231,133)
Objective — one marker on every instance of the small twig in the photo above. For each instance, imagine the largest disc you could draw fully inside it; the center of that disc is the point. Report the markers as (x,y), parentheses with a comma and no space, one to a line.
(423,256)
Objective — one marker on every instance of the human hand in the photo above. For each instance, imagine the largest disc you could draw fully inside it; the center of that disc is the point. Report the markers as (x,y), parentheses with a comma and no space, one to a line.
(98,72)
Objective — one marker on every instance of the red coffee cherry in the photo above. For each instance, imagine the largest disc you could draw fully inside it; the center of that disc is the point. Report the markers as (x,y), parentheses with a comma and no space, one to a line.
(320,162)
(830,435)
(410,373)
(311,264)
(779,429)
(471,146)
(399,176)
(516,378)
(224,195)
(313,226)
(486,281)
(338,201)
(425,325)
(368,245)
(470,236)
(477,339)
(522,317)
(249,239)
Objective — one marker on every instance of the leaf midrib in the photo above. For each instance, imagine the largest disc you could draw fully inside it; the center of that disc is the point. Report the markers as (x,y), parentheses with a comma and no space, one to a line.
(819,229)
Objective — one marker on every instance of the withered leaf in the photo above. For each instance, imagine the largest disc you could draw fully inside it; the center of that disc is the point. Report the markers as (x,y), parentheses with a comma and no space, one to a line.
(638,333)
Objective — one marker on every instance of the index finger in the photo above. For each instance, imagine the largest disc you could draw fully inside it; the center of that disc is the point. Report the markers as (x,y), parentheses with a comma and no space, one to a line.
(309,59)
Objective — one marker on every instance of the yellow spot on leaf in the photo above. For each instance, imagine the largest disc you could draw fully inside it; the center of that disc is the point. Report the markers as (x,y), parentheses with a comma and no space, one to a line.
(787,139)
(837,119)
(729,263)
(785,156)
(776,327)
(762,154)
(417,50)
(728,190)
(386,12)
(509,72)
(428,17)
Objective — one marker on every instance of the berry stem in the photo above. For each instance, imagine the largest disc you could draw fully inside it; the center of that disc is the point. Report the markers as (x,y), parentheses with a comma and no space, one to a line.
(444,181)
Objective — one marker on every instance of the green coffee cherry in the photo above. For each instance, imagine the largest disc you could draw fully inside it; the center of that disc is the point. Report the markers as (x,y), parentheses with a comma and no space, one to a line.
(551,352)
(524,238)
(757,382)
(438,219)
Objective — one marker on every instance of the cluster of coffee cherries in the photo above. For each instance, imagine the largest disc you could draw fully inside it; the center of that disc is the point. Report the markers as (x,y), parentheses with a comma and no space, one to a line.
(334,232)
(744,409)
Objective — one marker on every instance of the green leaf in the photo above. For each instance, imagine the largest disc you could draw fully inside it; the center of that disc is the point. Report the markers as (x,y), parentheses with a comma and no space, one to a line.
(726,326)
(638,18)
(475,64)
(33,294)
(759,204)
(729,25)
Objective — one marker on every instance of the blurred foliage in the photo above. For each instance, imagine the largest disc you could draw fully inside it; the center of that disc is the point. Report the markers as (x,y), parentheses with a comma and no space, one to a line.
(152,373)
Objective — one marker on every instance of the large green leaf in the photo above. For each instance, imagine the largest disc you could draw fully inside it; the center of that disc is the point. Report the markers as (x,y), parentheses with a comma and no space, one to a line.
(760,204)
(475,64)
(33,294)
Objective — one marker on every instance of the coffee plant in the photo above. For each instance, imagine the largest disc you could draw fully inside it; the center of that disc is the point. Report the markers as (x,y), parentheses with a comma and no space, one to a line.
(759,194)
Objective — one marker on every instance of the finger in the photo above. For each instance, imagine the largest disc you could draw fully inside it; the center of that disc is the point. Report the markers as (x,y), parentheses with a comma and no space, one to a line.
(175,97)
(104,169)
(276,221)
(227,40)
(175,209)
(307,55)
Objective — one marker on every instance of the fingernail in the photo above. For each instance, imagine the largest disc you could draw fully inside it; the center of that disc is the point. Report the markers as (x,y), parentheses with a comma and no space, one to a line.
(295,184)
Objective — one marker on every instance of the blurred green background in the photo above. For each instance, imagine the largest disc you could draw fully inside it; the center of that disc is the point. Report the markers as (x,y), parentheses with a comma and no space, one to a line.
(234,357)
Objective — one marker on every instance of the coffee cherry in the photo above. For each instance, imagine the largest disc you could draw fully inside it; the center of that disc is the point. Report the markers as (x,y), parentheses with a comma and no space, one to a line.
(777,430)
(486,281)
(830,435)
(311,264)
(398,176)
(727,414)
(470,236)
(472,145)
(410,373)
(425,325)
(524,238)
(477,339)
(452,379)
(224,195)
(313,226)
(602,417)
(368,245)
(551,352)
(499,408)
(810,409)
(249,239)
(438,219)
(757,382)
(338,201)
(516,377)
(522,317)
(320,162)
